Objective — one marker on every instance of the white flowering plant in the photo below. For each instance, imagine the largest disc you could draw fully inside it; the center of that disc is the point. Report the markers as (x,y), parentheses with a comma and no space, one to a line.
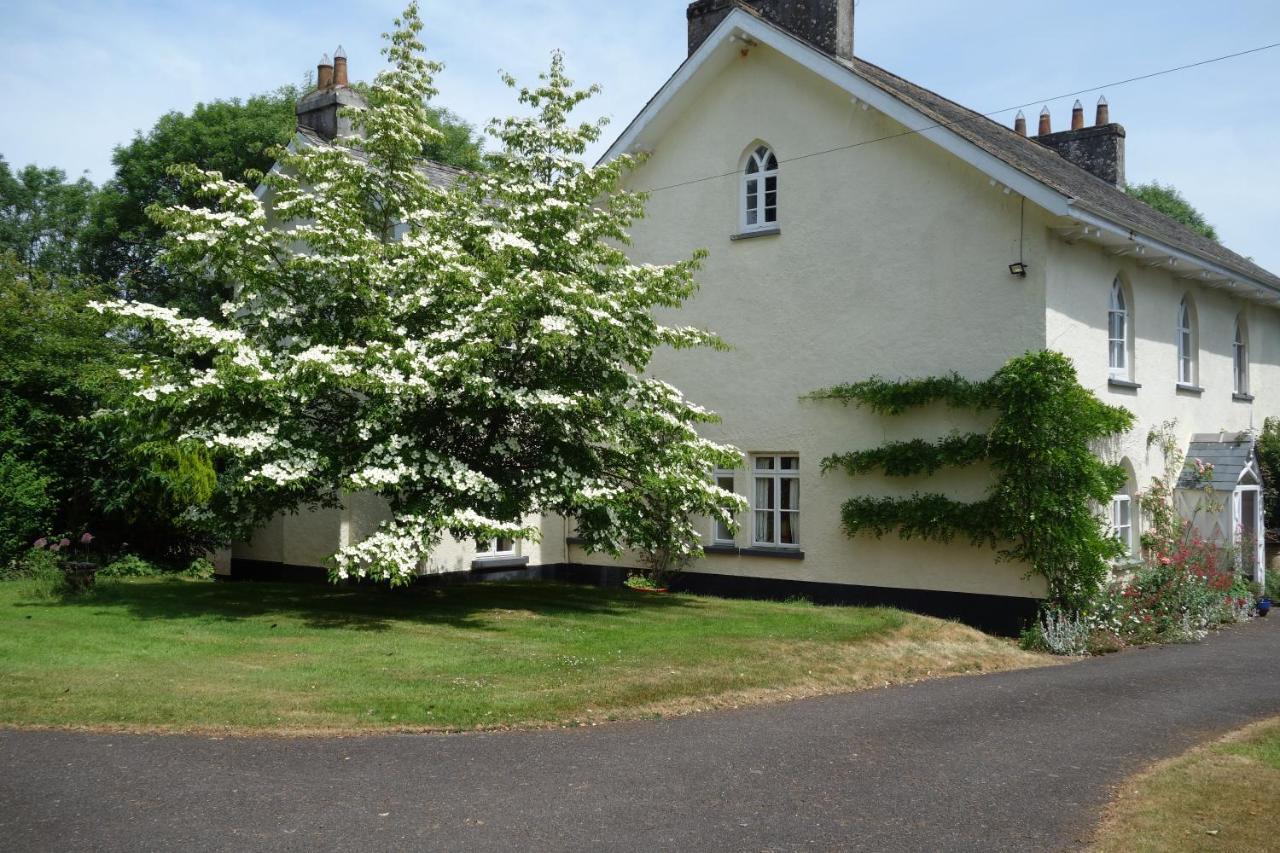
(474,353)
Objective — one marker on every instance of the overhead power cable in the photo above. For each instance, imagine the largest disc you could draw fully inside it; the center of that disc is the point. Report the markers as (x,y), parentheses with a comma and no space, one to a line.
(944,125)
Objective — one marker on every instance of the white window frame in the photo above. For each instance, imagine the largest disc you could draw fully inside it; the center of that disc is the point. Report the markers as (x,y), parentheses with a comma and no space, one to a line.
(720,532)
(1118,308)
(755,217)
(1240,359)
(1186,343)
(1123,532)
(498,548)
(776,475)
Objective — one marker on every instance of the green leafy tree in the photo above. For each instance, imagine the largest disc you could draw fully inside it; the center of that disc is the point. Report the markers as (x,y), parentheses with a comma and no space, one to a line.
(42,216)
(123,243)
(238,139)
(474,354)
(69,460)
(1268,452)
(1168,200)
(457,144)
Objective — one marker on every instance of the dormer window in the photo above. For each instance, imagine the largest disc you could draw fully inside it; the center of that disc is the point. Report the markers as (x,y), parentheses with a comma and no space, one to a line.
(760,190)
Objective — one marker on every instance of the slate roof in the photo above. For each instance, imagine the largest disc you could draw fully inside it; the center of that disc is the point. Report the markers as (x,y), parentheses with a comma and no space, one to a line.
(438,173)
(1229,454)
(1042,164)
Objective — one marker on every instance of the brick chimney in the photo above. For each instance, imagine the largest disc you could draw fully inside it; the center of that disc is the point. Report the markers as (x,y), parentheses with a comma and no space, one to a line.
(826,24)
(318,110)
(1098,149)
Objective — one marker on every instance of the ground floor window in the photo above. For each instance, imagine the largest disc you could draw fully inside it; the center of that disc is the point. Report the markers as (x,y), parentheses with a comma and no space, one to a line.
(1122,521)
(721,534)
(503,546)
(776,500)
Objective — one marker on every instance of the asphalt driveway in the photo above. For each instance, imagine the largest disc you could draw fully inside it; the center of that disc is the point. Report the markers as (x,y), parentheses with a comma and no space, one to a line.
(1013,761)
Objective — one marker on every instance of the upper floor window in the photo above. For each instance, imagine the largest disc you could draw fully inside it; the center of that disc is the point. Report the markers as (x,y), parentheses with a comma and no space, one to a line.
(1118,332)
(760,190)
(776,503)
(1186,337)
(1240,357)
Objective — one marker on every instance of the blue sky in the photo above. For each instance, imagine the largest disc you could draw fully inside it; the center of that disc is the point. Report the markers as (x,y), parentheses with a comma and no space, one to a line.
(82,77)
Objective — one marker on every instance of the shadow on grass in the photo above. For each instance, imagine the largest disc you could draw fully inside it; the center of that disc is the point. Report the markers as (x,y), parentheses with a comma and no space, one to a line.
(361,608)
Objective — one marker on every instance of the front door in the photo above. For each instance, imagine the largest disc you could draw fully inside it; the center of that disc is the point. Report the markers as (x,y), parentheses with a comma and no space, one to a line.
(1246,512)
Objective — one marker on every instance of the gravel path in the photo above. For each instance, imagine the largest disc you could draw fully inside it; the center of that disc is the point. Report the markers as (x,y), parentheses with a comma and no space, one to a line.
(1012,761)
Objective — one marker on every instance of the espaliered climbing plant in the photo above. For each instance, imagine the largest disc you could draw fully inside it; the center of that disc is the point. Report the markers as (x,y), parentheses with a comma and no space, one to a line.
(1044,507)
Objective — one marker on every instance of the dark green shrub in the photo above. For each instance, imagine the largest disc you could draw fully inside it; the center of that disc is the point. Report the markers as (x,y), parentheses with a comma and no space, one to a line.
(25,507)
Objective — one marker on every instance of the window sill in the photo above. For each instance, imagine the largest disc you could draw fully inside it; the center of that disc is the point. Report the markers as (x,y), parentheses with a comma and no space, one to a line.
(754,551)
(1126,384)
(1193,390)
(1242,398)
(759,232)
(496,564)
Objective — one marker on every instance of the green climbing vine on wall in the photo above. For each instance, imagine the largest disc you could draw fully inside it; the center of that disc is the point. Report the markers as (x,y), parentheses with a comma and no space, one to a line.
(1044,507)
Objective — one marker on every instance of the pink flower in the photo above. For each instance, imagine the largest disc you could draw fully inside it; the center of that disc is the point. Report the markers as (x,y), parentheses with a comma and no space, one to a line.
(1164,561)
(54,548)
(64,543)
(40,543)
(86,538)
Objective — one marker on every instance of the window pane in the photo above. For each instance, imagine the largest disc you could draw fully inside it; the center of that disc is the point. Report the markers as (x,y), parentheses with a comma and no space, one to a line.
(764,526)
(790,493)
(770,214)
(725,481)
(752,166)
(751,187)
(789,532)
(764,493)
(752,216)
(772,164)
(1117,354)
(761,151)
(1115,326)
(764,463)
(791,463)
(771,183)
(770,199)
(723,533)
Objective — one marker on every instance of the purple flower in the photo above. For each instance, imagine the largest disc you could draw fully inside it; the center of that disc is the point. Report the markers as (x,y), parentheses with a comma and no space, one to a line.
(86,538)
(64,543)
(40,543)
(53,548)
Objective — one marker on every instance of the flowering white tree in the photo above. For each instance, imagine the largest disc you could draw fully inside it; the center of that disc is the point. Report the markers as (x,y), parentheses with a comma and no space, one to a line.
(475,353)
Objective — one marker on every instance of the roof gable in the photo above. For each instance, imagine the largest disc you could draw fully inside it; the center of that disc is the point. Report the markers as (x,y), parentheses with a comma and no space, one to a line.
(1086,205)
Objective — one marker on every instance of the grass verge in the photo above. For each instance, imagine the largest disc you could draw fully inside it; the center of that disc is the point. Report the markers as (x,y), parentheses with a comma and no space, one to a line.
(183,655)
(1218,797)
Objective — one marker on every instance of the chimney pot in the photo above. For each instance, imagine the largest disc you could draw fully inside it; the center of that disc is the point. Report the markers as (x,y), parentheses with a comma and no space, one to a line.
(340,67)
(1104,112)
(324,73)
(1046,124)
(1077,116)
(1020,124)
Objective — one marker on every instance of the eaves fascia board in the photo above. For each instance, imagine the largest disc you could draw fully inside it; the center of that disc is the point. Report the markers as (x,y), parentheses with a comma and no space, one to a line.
(1160,247)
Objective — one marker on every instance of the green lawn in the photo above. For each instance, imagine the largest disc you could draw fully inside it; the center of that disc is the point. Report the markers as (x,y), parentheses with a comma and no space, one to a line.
(177,654)
(1216,798)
